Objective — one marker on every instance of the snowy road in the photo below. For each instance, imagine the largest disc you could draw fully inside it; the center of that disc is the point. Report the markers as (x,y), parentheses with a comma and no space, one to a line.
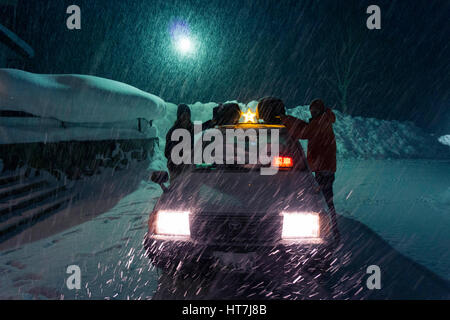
(412,215)
(407,202)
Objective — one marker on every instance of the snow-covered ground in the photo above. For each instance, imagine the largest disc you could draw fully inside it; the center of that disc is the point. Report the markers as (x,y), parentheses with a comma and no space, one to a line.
(404,201)
(407,202)
(109,251)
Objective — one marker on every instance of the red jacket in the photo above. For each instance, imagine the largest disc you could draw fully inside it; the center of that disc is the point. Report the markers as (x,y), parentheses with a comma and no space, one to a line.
(321,139)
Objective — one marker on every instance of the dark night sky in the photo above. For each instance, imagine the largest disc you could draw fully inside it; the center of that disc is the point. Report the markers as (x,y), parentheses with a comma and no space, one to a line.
(251,49)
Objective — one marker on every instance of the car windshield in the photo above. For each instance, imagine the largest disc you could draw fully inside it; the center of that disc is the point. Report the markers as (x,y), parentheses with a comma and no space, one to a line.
(247,142)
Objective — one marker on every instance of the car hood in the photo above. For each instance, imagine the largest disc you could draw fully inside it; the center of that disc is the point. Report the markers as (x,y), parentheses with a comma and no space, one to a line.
(242,193)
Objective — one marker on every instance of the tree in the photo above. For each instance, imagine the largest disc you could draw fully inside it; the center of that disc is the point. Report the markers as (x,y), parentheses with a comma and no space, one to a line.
(347,64)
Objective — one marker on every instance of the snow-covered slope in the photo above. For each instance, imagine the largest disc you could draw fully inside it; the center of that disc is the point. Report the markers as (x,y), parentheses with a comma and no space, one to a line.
(76,98)
(357,137)
(445,140)
(369,138)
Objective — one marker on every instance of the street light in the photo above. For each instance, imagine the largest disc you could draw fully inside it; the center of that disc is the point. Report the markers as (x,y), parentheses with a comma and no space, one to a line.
(184,45)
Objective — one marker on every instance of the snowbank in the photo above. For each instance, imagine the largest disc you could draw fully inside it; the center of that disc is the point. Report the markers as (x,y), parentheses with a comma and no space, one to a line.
(199,112)
(357,137)
(445,140)
(369,138)
(76,98)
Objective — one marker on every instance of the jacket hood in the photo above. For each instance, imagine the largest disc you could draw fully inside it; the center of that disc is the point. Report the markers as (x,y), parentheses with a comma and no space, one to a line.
(330,114)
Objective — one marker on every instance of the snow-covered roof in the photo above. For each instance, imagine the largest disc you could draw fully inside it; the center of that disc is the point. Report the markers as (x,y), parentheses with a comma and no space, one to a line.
(76,98)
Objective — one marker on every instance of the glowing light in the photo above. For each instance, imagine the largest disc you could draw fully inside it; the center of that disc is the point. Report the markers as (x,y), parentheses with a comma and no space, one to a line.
(184,42)
(249,116)
(300,225)
(184,45)
(282,162)
(174,223)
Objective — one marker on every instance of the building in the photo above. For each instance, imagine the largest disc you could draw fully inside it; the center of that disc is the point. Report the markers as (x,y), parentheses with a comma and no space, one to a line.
(14,52)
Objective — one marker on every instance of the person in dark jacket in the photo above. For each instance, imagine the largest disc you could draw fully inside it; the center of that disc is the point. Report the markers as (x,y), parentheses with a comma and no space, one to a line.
(271,109)
(229,114)
(321,153)
(213,122)
(183,122)
(320,135)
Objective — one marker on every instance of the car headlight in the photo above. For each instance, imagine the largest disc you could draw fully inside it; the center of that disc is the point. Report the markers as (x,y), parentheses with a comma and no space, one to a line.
(172,223)
(300,225)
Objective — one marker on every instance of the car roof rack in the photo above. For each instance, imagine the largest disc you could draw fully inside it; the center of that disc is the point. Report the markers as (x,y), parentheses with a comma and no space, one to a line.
(249,125)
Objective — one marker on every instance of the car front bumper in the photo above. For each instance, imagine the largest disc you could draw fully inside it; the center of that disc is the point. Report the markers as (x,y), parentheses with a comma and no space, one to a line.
(170,253)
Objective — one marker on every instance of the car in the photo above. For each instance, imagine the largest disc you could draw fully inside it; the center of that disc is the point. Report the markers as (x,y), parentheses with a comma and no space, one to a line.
(231,217)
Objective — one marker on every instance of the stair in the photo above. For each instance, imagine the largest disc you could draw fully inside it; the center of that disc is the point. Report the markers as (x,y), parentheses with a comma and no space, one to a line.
(9,178)
(27,200)
(17,187)
(33,215)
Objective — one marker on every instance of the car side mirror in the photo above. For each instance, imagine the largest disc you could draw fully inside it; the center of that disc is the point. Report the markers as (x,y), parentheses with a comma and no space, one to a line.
(160,177)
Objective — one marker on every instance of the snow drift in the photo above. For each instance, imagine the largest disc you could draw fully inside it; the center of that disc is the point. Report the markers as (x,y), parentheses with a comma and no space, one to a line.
(76,98)
(357,137)
(445,140)
(370,138)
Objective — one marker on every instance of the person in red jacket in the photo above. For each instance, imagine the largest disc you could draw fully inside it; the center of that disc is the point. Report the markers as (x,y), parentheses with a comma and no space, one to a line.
(321,153)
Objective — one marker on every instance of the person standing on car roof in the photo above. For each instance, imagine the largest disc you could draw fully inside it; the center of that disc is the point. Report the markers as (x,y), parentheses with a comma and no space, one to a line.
(321,153)
(183,122)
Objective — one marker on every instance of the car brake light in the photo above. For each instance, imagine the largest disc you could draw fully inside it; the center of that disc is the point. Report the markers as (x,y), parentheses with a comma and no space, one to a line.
(283,162)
